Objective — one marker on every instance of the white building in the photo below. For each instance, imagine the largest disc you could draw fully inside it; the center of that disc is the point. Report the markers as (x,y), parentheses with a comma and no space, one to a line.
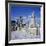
(33,26)
(30,29)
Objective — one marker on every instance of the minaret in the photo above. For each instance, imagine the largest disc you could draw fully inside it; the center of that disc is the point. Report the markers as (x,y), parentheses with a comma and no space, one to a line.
(32,22)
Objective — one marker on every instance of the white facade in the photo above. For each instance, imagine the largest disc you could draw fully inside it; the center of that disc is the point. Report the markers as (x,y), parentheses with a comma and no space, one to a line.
(28,31)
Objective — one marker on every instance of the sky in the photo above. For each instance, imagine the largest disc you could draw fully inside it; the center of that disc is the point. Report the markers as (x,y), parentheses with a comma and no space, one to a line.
(19,10)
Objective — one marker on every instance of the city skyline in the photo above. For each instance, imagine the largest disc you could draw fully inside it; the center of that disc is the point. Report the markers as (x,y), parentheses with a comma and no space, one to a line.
(16,11)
